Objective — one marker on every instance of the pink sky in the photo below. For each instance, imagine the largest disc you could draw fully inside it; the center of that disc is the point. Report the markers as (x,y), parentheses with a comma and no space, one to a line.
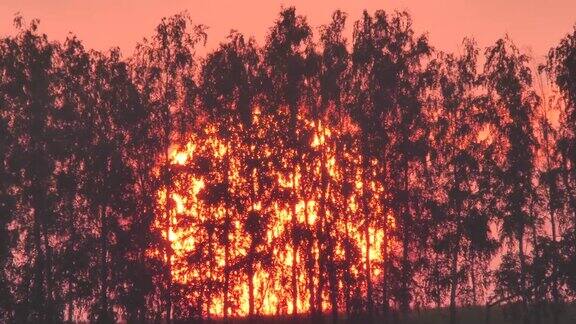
(535,26)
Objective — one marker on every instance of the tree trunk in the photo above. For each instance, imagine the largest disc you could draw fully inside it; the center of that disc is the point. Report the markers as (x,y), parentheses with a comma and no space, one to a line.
(251,286)
(385,297)
(252,251)
(555,290)
(552,211)
(366,210)
(455,250)
(294,247)
(38,297)
(453,285)
(226,266)
(348,264)
(103,266)
(227,223)
(385,304)
(309,263)
(142,307)
(333,279)
(70,311)
(50,310)
(209,285)
(321,259)
(473,278)
(539,296)
(168,250)
(522,257)
(404,302)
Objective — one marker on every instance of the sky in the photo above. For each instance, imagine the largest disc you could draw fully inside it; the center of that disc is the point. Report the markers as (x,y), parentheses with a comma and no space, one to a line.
(535,26)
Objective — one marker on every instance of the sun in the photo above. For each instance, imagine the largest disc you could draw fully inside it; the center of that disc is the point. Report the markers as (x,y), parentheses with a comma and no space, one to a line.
(211,246)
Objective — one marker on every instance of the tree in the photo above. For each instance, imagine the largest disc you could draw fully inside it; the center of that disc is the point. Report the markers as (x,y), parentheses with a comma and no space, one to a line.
(7,198)
(390,82)
(73,265)
(508,81)
(163,69)
(558,176)
(228,89)
(334,63)
(461,229)
(286,62)
(112,118)
(29,106)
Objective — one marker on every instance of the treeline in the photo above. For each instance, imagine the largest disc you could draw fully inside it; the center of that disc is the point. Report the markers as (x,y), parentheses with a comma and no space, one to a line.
(312,175)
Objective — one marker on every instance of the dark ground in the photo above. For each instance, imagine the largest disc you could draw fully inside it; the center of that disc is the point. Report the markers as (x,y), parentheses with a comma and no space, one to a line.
(471,315)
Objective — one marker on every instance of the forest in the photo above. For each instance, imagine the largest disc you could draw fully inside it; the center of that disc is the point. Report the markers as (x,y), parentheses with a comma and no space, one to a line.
(314,177)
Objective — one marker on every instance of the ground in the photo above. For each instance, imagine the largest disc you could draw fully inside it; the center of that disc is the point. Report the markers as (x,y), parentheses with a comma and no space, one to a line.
(471,315)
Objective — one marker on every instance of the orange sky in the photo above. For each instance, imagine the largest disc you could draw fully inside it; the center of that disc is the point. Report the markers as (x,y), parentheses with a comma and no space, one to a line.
(534,25)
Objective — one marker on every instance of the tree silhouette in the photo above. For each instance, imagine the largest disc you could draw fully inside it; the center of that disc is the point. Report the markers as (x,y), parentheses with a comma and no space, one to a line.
(30,107)
(390,57)
(508,80)
(114,114)
(334,69)
(163,70)
(558,176)
(7,198)
(461,228)
(75,76)
(229,86)
(286,61)
(303,177)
